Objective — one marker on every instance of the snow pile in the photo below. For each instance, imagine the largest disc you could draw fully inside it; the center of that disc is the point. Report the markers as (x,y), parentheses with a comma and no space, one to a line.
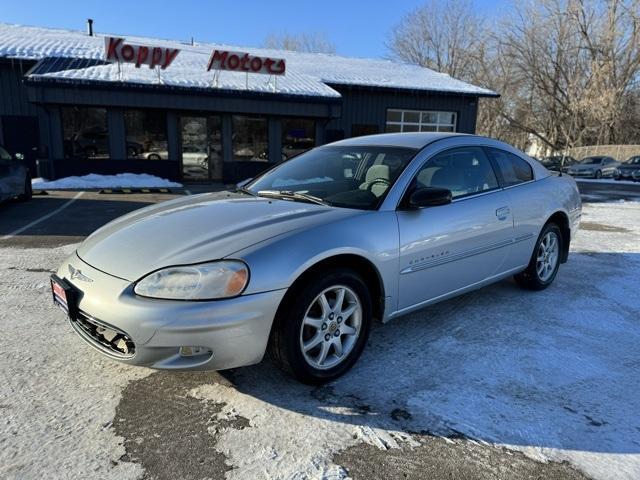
(307,73)
(609,181)
(94,181)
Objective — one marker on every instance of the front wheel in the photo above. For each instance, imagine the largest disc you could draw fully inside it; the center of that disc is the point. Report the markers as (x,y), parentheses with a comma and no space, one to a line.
(598,175)
(545,260)
(322,328)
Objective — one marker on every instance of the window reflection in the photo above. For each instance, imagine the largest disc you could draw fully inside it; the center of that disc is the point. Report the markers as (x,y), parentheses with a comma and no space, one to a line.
(202,148)
(85,132)
(146,132)
(250,139)
(298,135)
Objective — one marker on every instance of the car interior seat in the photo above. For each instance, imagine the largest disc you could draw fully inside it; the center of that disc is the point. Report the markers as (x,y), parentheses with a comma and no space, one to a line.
(376,180)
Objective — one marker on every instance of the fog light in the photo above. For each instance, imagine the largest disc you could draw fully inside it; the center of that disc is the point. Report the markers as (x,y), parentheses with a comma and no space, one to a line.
(194,351)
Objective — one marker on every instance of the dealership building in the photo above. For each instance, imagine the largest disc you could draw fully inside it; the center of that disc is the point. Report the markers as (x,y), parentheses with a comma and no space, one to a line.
(76,102)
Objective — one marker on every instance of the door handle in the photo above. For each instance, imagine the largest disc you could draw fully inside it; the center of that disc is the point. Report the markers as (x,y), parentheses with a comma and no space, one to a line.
(502,213)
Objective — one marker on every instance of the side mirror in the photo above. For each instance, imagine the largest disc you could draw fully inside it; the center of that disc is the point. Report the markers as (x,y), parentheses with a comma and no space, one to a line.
(429,197)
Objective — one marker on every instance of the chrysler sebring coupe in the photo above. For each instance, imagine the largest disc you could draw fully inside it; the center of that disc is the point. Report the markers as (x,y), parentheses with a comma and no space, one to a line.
(301,260)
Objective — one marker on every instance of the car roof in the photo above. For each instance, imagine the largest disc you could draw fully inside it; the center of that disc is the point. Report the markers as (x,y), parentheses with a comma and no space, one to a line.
(409,140)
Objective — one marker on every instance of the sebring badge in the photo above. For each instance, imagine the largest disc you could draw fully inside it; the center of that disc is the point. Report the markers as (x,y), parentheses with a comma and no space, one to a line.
(77,274)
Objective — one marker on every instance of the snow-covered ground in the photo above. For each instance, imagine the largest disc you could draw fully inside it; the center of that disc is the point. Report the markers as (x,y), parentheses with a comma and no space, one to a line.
(94,181)
(610,181)
(553,374)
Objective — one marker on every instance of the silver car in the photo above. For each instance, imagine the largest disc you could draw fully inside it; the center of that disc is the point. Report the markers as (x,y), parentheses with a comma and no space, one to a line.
(594,167)
(15,179)
(302,260)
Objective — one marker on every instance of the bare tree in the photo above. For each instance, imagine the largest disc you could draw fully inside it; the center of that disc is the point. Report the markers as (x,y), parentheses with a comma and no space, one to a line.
(442,35)
(568,71)
(577,61)
(302,42)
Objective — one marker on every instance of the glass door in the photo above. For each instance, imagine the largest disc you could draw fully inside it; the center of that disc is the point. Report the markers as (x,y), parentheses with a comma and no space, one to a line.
(201,148)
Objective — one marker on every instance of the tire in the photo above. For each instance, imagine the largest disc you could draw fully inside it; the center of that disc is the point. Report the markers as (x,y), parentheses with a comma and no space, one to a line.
(302,320)
(598,175)
(90,152)
(153,156)
(27,193)
(533,278)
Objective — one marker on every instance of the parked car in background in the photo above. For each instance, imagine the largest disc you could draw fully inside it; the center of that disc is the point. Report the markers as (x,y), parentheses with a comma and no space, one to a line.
(15,179)
(629,170)
(301,260)
(558,163)
(594,167)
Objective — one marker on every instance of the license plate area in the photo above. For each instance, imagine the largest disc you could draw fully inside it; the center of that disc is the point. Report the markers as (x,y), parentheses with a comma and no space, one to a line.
(64,296)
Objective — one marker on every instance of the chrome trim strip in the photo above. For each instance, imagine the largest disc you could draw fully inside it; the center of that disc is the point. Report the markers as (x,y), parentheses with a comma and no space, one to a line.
(462,255)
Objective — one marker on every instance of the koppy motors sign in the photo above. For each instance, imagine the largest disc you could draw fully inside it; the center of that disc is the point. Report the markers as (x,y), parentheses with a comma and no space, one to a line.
(245,62)
(118,51)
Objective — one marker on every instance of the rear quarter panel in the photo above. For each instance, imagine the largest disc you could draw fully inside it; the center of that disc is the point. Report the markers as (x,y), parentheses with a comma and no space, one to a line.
(534,203)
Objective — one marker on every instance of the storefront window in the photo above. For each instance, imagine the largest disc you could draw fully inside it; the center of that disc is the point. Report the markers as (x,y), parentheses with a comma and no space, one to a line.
(146,132)
(85,132)
(298,135)
(201,148)
(250,139)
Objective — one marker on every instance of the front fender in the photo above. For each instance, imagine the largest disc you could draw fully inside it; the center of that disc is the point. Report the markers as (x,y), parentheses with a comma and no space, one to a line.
(276,263)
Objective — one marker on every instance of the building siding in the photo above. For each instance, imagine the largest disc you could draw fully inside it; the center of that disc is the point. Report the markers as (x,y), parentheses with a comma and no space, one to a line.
(13,92)
(369,106)
(358,106)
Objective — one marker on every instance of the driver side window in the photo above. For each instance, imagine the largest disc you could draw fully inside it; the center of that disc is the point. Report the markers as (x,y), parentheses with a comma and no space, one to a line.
(464,171)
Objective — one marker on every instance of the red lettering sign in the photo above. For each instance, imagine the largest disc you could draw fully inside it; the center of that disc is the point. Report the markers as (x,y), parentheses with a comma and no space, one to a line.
(245,62)
(117,50)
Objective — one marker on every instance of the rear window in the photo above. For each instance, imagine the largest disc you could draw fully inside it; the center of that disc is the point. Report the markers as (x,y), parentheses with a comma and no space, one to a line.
(512,169)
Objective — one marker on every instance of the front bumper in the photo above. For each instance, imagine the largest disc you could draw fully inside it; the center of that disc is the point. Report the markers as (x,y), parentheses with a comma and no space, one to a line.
(230,333)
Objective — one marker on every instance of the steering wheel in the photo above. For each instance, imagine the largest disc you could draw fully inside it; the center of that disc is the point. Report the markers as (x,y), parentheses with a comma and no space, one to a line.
(378,180)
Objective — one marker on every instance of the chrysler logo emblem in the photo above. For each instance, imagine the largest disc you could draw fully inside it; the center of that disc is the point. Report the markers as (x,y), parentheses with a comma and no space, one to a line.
(77,274)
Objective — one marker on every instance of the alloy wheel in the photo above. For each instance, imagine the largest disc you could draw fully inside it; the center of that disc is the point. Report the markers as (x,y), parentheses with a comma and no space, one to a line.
(548,255)
(331,327)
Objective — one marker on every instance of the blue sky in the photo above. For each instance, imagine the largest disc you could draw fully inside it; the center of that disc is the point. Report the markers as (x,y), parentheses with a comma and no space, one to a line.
(357,27)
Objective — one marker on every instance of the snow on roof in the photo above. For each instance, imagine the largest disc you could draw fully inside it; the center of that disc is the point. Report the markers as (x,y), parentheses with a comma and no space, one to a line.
(309,74)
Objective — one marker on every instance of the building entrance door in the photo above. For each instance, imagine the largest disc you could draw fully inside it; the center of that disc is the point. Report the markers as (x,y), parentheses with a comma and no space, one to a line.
(201,148)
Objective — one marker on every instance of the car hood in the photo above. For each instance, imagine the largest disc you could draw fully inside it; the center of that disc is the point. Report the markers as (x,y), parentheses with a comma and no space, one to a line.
(196,229)
(629,167)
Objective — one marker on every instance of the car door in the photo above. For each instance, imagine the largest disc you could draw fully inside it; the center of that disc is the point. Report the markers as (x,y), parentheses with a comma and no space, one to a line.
(446,248)
(608,166)
(527,202)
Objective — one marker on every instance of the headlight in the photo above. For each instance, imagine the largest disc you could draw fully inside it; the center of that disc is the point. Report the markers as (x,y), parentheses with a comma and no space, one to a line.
(205,281)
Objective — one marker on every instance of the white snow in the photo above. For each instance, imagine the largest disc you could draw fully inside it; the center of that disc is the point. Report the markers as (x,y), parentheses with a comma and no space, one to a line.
(553,374)
(606,181)
(95,181)
(307,73)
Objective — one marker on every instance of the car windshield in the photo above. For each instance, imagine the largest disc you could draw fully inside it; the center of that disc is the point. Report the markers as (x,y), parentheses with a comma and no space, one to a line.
(351,177)
(591,160)
(634,161)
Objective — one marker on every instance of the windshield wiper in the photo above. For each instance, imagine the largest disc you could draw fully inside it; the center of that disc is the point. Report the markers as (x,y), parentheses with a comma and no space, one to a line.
(288,194)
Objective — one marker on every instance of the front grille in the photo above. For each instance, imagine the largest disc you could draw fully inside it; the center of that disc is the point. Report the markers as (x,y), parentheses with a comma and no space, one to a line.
(104,337)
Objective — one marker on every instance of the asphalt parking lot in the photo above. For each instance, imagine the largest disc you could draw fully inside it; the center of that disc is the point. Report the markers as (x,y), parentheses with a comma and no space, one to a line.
(498,383)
